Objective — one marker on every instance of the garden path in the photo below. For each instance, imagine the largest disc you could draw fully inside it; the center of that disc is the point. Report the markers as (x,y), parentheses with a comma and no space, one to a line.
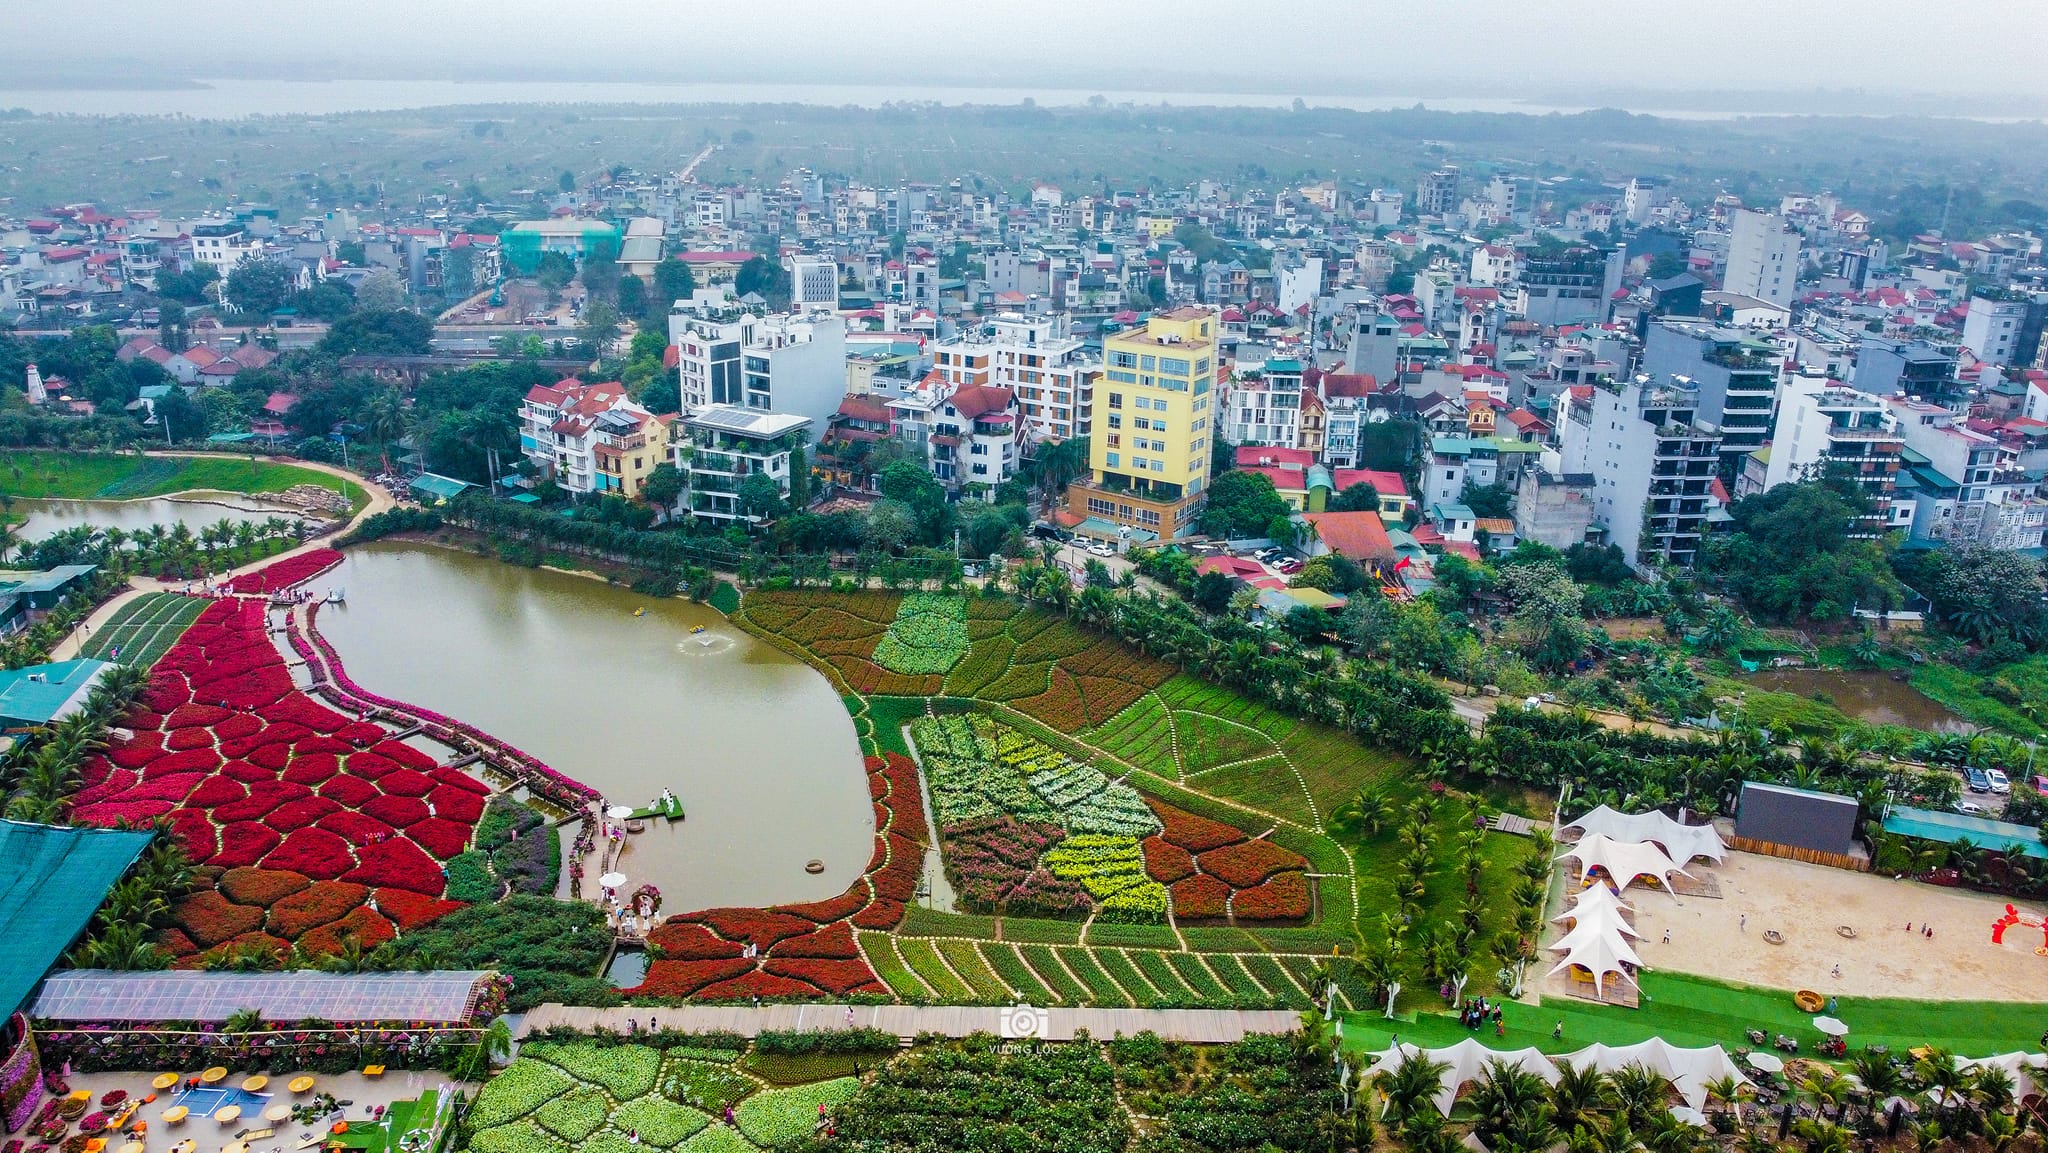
(1202,1026)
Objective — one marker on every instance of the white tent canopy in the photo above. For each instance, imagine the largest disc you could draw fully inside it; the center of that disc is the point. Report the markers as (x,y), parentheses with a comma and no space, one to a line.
(1682,842)
(1599,956)
(1688,1070)
(1598,902)
(1623,861)
(2025,1069)
(1467,1061)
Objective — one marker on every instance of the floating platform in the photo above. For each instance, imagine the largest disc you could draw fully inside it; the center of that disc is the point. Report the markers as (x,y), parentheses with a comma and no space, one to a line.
(668,807)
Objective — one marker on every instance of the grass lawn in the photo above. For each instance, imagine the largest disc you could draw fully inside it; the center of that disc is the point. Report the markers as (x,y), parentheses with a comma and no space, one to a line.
(123,476)
(1956,689)
(401,1118)
(1695,1011)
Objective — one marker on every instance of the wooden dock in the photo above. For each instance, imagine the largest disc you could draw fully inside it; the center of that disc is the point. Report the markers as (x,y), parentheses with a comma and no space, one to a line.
(1200,1026)
(669,807)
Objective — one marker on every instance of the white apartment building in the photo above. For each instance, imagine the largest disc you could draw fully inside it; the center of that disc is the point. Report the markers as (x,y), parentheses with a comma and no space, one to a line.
(1263,404)
(1763,258)
(1653,463)
(1824,425)
(1967,486)
(781,363)
(224,244)
(814,284)
(723,444)
(1991,328)
(1037,359)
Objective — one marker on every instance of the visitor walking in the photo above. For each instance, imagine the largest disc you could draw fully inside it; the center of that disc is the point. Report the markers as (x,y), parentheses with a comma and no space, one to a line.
(1742,922)
(849,1016)
(1667,936)
(1557,1031)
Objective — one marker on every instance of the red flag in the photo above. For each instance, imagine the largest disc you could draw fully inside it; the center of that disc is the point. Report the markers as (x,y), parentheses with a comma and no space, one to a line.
(1404,562)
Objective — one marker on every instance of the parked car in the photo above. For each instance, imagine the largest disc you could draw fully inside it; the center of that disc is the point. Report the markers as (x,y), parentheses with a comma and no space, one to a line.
(2041,784)
(1979,783)
(2000,783)
(1969,808)
(1290,566)
(1101,548)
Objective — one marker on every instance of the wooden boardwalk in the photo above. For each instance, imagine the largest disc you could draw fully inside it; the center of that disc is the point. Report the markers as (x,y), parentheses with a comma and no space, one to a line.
(1208,1026)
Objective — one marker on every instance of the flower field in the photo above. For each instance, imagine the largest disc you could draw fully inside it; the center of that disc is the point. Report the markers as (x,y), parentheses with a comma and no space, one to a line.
(253,773)
(838,632)
(276,911)
(809,950)
(1215,871)
(929,635)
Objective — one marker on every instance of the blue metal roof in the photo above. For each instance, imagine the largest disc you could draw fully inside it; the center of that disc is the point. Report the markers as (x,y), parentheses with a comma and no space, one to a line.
(39,694)
(54,880)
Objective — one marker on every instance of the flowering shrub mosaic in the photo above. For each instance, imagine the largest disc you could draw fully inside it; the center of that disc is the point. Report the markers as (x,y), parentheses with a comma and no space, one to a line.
(1216,871)
(808,950)
(276,910)
(929,635)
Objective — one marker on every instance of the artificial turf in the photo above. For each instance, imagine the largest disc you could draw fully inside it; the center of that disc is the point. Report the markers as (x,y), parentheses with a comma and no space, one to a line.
(1694,1011)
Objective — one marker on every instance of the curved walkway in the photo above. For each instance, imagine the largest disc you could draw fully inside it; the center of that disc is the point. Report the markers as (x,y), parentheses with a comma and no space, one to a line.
(1201,1026)
(380,500)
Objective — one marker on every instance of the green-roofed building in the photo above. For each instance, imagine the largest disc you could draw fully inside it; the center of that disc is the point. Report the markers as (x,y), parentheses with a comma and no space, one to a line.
(55,879)
(40,694)
(433,488)
(26,595)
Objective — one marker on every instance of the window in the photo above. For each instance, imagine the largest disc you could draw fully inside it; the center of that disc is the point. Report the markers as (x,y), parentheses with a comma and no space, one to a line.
(1116,420)
(1142,422)
(1174,365)
(1116,400)
(1123,377)
(1202,365)
(1140,463)
(1158,466)
(1109,460)
(1123,360)
(1148,363)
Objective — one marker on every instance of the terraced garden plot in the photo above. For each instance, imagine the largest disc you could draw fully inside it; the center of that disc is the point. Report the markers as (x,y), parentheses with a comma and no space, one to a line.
(1009,966)
(1268,785)
(144,629)
(1230,971)
(929,635)
(889,965)
(1101,988)
(1189,967)
(923,959)
(1041,932)
(1207,741)
(1141,735)
(1268,972)
(1157,970)
(967,961)
(1046,964)
(1118,966)
(598,1097)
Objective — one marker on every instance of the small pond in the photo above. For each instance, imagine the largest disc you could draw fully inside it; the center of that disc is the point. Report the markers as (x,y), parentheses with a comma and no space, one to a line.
(1868,695)
(195,510)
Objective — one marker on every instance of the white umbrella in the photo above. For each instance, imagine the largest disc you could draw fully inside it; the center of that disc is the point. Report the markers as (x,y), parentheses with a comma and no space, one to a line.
(1768,1062)
(612,880)
(618,812)
(1833,1027)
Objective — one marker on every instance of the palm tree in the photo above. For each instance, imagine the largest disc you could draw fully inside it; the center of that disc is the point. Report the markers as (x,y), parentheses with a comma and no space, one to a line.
(243,1021)
(1728,1091)
(1827,1089)
(1670,1135)
(1939,1072)
(1580,1092)
(1368,809)
(1503,1094)
(1639,1092)
(493,1043)
(1410,1086)
(1821,1136)
(1879,1077)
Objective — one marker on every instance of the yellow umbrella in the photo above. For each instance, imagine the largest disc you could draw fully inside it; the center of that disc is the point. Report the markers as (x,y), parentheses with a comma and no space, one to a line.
(229,1115)
(217,1073)
(175,1114)
(132,1147)
(277,1112)
(164,1081)
(235,1147)
(253,1084)
(300,1084)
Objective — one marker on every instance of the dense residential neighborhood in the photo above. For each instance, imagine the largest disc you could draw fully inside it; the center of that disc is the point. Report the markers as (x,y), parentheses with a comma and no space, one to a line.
(1170,619)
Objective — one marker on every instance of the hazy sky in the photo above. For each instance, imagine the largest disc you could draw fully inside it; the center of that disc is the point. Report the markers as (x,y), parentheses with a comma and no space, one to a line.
(1432,48)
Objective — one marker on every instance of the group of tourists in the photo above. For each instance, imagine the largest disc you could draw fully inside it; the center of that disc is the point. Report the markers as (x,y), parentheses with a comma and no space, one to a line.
(1477,1011)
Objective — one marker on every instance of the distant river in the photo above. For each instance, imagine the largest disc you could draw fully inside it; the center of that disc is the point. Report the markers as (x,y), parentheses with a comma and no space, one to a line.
(757,745)
(230,99)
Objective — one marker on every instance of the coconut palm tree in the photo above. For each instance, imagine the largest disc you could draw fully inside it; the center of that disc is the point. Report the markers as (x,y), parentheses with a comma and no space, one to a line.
(1639,1092)
(1410,1086)
(1827,1089)
(1727,1091)
(1581,1091)
(1821,1136)
(1880,1079)
(1503,1093)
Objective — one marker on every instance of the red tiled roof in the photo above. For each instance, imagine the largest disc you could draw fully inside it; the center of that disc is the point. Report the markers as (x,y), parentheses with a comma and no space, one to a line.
(1229,566)
(1382,482)
(865,408)
(200,355)
(1286,480)
(1358,536)
(1251,456)
(975,399)
(671,356)
(1349,384)
(280,403)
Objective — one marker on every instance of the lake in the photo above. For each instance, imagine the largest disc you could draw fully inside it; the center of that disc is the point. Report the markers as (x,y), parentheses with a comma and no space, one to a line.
(757,745)
(193,510)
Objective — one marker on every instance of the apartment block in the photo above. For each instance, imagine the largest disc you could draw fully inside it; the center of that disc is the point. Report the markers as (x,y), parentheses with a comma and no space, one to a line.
(1652,459)
(1149,454)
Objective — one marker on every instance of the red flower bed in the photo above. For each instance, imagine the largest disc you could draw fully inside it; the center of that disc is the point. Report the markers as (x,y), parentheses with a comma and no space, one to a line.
(107,814)
(315,852)
(300,813)
(684,941)
(833,942)
(1190,832)
(216,791)
(832,908)
(406,783)
(832,976)
(439,836)
(238,725)
(753,926)
(292,570)
(757,984)
(1285,897)
(243,843)
(1199,896)
(459,805)
(310,768)
(405,755)
(398,812)
(352,792)
(273,758)
(880,915)
(192,827)
(318,904)
(370,766)
(411,910)
(686,978)
(244,771)
(209,918)
(360,734)
(1244,865)
(399,864)
(355,828)
(146,747)
(457,779)
(263,887)
(1167,862)
(368,930)
(184,739)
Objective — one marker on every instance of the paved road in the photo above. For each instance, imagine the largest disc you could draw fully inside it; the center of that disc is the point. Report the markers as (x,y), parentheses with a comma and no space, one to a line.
(1206,1026)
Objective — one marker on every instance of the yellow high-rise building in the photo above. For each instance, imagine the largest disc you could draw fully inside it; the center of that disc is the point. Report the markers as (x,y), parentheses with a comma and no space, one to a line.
(1148,450)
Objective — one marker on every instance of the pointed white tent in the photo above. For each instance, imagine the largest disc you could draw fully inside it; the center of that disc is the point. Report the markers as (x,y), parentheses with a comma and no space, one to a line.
(1688,1070)
(1598,901)
(1467,1061)
(1623,861)
(1600,955)
(1682,842)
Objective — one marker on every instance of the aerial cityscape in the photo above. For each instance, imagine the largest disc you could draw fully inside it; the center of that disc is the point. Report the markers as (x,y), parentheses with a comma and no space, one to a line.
(1118,578)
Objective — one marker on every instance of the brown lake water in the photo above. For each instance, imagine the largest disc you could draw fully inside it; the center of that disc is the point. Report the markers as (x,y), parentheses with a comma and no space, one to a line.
(756,744)
(195,511)
(1868,695)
